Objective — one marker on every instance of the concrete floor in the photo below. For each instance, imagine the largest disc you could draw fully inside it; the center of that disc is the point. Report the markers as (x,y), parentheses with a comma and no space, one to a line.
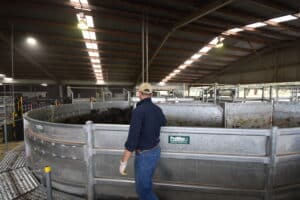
(11,145)
(4,148)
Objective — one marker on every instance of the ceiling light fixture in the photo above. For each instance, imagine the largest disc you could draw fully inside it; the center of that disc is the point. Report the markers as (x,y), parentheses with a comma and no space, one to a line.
(188,62)
(94,60)
(89,35)
(100,82)
(95,66)
(89,21)
(233,31)
(82,24)
(283,19)
(220,45)
(182,66)
(196,56)
(256,25)
(31,41)
(90,45)
(205,49)
(44,84)
(8,79)
(93,54)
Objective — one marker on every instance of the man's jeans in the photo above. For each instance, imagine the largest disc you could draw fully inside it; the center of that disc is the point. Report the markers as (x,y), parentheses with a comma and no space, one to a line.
(144,165)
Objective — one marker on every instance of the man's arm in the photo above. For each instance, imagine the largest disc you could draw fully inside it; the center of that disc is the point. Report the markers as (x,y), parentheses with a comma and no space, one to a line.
(132,140)
(126,155)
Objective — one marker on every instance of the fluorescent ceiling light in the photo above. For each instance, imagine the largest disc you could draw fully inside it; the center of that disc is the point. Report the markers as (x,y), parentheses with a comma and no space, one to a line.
(95,66)
(188,62)
(80,1)
(172,74)
(8,79)
(31,41)
(256,25)
(205,49)
(176,71)
(89,35)
(44,84)
(216,40)
(82,25)
(182,66)
(233,31)
(162,83)
(97,70)
(196,56)
(89,20)
(220,45)
(84,2)
(283,19)
(93,54)
(100,81)
(94,60)
(90,45)
(81,5)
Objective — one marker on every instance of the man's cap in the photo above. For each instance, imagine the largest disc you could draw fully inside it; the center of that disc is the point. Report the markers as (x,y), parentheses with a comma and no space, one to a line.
(145,88)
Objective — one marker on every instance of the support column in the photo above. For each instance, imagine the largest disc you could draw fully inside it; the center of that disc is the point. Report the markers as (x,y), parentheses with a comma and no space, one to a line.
(89,129)
(272,147)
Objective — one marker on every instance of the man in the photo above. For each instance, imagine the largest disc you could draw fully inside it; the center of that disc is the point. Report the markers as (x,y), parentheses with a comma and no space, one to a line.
(143,138)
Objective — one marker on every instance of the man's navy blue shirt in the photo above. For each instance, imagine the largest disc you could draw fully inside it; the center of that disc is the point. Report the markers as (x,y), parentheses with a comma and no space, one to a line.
(144,131)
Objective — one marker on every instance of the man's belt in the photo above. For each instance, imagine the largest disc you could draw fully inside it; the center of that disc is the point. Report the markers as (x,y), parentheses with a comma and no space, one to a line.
(140,151)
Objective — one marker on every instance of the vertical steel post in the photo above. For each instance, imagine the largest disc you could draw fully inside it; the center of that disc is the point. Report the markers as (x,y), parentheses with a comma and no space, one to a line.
(277,97)
(263,94)
(5,122)
(89,129)
(13,63)
(146,49)
(297,94)
(215,93)
(128,97)
(47,171)
(272,164)
(143,50)
(271,93)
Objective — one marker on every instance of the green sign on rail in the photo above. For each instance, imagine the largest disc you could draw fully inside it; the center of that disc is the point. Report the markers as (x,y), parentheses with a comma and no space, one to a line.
(177,139)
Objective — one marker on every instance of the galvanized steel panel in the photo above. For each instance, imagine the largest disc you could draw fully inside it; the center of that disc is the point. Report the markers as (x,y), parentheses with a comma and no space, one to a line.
(248,115)
(217,162)
(288,141)
(286,114)
(224,174)
(204,115)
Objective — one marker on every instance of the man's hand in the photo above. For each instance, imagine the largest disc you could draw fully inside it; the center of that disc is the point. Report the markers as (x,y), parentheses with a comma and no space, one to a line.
(123,162)
(122,168)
